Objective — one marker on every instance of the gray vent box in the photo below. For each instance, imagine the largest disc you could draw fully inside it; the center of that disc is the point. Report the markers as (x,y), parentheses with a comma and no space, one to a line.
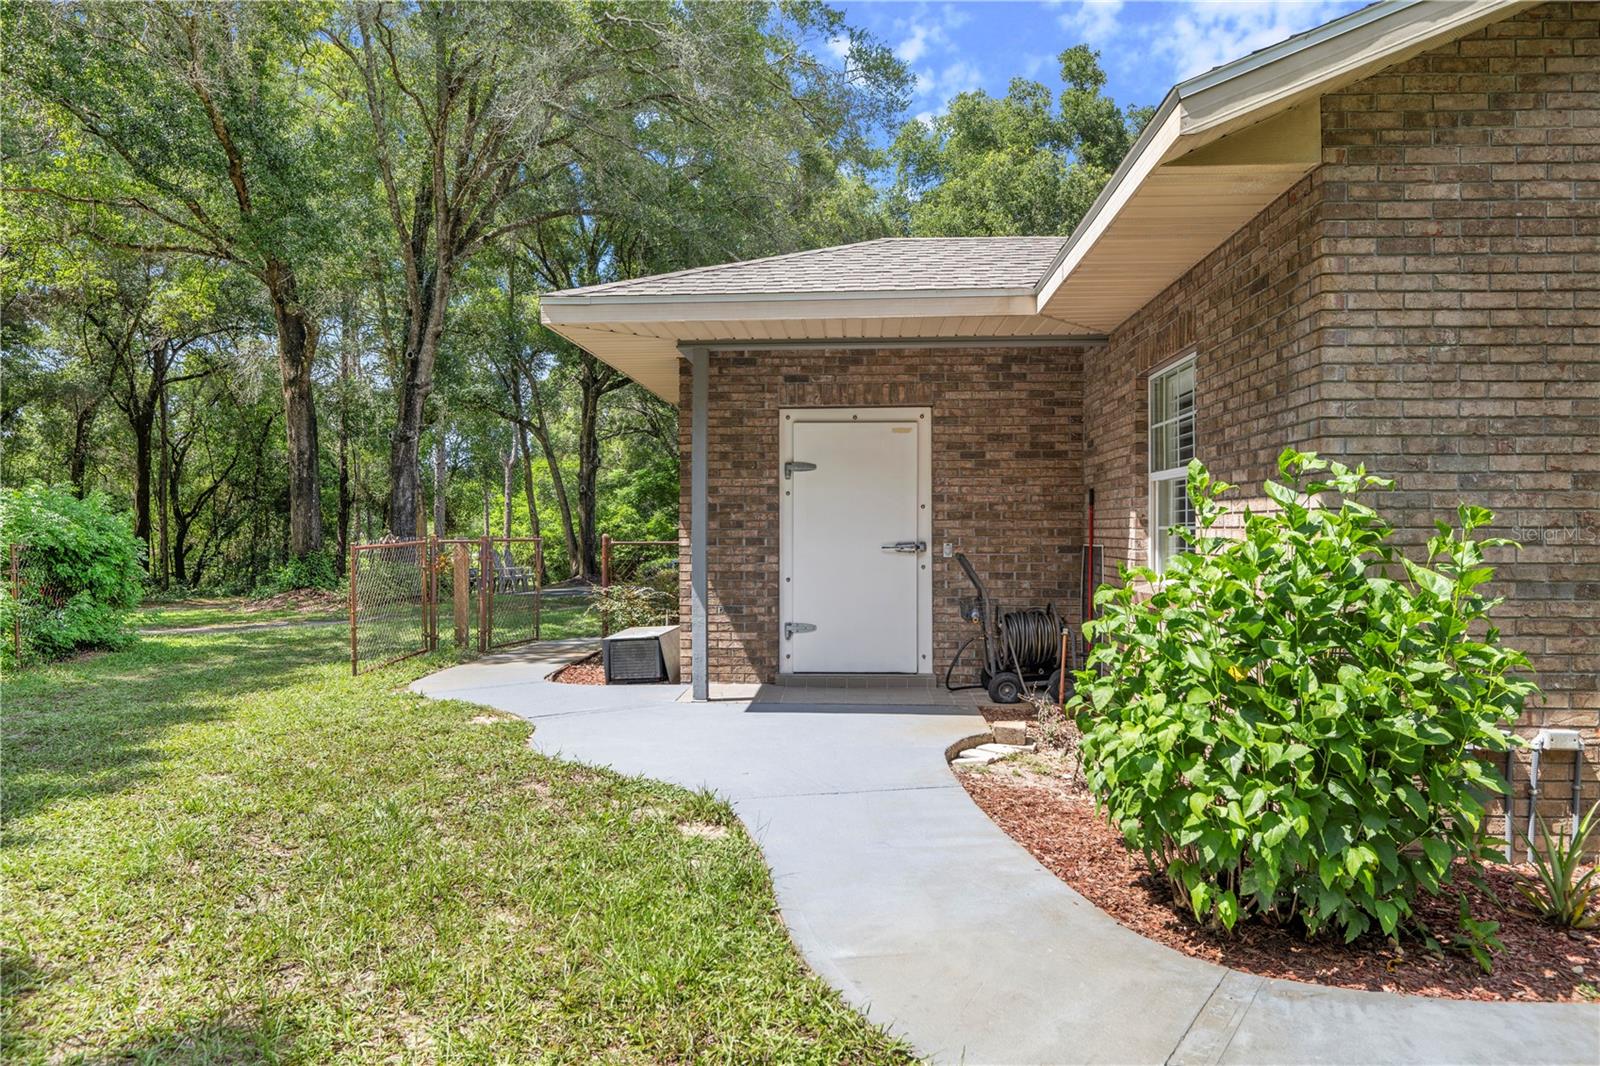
(641,655)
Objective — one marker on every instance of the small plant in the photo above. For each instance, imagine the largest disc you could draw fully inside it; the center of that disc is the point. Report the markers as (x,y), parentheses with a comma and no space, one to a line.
(312,571)
(1562,890)
(1284,721)
(619,607)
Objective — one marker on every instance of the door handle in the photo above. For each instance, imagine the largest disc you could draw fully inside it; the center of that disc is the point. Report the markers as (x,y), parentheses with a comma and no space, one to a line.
(907,547)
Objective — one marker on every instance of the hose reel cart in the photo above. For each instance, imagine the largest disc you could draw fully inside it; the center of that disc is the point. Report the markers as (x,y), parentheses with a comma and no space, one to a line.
(1021,648)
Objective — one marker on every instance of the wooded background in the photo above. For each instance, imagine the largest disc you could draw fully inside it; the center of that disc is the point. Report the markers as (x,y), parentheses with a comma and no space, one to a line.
(271,271)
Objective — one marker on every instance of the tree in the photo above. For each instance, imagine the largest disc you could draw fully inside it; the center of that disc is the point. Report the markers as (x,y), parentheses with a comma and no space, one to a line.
(477,112)
(174,130)
(1020,164)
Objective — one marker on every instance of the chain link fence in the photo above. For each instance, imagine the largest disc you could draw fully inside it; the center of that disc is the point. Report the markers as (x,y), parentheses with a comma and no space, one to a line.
(484,593)
(33,606)
(392,589)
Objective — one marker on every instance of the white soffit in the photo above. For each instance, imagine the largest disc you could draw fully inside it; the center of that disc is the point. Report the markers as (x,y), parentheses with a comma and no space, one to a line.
(648,351)
(1224,145)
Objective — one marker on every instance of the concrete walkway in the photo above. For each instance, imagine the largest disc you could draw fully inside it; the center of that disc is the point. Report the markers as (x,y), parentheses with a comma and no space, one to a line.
(900,892)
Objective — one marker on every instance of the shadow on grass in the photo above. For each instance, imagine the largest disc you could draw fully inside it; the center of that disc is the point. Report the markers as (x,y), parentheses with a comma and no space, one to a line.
(96,726)
(227,1038)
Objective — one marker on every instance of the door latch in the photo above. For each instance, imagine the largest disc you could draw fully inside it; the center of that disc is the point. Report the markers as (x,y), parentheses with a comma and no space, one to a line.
(795,466)
(791,628)
(907,547)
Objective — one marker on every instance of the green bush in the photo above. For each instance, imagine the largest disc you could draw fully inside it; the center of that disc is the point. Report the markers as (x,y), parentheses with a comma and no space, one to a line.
(1284,722)
(81,571)
(311,571)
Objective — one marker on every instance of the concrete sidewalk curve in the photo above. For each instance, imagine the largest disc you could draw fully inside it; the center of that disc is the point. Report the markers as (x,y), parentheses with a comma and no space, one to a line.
(900,892)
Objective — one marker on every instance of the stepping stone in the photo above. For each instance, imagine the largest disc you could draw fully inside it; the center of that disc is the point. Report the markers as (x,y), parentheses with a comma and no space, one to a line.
(1010,732)
(1002,750)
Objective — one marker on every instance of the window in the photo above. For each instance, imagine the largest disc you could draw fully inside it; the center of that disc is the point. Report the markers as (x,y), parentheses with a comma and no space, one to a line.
(1171,448)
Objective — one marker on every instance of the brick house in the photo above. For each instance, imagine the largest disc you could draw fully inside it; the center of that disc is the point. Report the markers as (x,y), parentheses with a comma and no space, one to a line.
(1379,240)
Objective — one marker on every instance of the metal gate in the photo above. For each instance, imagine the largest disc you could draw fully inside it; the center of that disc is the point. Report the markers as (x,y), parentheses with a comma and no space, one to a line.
(484,592)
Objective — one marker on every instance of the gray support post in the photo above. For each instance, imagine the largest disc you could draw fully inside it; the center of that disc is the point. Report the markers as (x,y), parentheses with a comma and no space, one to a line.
(698,626)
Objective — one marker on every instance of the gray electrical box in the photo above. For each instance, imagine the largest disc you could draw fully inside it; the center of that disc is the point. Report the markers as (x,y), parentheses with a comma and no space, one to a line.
(641,655)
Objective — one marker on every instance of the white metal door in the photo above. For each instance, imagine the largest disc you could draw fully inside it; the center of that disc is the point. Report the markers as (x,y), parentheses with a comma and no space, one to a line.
(855,542)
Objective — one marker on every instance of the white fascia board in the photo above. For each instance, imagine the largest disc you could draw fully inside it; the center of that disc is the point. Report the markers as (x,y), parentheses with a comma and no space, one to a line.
(1209,105)
(1160,134)
(1344,49)
(786,306)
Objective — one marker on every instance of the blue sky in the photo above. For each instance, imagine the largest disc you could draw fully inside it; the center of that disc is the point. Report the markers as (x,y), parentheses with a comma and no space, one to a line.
(1144,46)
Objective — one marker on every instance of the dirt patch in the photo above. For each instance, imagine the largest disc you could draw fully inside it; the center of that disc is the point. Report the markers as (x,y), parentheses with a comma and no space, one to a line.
(303,601)
(586,671)
(703,830)
(1041,803)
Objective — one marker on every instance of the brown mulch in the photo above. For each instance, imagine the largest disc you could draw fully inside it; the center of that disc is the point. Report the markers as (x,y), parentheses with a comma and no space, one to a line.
(1040,805)
(586,671)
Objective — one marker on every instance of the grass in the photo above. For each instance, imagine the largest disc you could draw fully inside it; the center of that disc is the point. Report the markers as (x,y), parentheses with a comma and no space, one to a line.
(219,613)
(221,848)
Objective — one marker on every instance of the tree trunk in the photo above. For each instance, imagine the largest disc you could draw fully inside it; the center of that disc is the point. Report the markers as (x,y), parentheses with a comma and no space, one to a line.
(559,486)
(441,473)
(588,477)
(297,345)
(78,460)
(342,559)
(508,463)
(166,490)
(141,424)
(533,499)
(416,385)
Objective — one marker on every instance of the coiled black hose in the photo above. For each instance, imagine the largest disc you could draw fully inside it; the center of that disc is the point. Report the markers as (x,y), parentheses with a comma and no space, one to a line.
(1031,639)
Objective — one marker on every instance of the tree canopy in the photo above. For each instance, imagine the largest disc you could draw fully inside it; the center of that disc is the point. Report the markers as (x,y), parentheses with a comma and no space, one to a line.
(1029,162)
(273,269)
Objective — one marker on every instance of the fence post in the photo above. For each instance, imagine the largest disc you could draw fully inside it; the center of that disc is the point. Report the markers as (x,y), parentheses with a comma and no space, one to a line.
(355,667)
(16,602)
(605,577)
(485,594)
(431,547)
(538,585)
(461,593)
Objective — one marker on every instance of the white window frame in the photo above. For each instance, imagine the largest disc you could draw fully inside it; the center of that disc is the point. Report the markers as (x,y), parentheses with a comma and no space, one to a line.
(1159,479)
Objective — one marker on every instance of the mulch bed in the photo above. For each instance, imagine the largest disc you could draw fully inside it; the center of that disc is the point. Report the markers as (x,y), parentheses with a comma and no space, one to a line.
(1042,807)
(586,671)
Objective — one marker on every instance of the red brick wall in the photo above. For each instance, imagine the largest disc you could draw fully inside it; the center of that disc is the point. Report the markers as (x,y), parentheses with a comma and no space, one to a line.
(1428,302)
(1007,477)
(1250,312)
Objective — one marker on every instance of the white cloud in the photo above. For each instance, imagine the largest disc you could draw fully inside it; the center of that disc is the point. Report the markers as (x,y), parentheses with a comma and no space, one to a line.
(1092,22)
(839,47)
(1208,33)
(958,77)
(915,46)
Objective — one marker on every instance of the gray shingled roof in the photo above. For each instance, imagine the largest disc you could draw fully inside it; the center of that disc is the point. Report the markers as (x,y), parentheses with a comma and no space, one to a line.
(886,265)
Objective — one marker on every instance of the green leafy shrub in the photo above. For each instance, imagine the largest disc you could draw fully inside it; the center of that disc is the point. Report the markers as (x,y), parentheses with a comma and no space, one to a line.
(619,607)
(80,568)
(1562,890)
(1285,725)
(312,571)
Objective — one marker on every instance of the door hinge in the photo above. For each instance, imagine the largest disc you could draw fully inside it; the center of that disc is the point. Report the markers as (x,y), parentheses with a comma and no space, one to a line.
(791,628)
(795,466)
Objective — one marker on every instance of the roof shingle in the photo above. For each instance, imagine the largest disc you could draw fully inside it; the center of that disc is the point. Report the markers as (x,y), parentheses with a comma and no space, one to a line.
(890,264)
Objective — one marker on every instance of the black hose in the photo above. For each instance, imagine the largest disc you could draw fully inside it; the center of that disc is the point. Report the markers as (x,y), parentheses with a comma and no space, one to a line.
(1031,638)
(951,669)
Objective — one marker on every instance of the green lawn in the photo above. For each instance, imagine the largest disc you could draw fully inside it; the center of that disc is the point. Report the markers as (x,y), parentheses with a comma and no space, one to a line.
(222,848)
(219,613)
